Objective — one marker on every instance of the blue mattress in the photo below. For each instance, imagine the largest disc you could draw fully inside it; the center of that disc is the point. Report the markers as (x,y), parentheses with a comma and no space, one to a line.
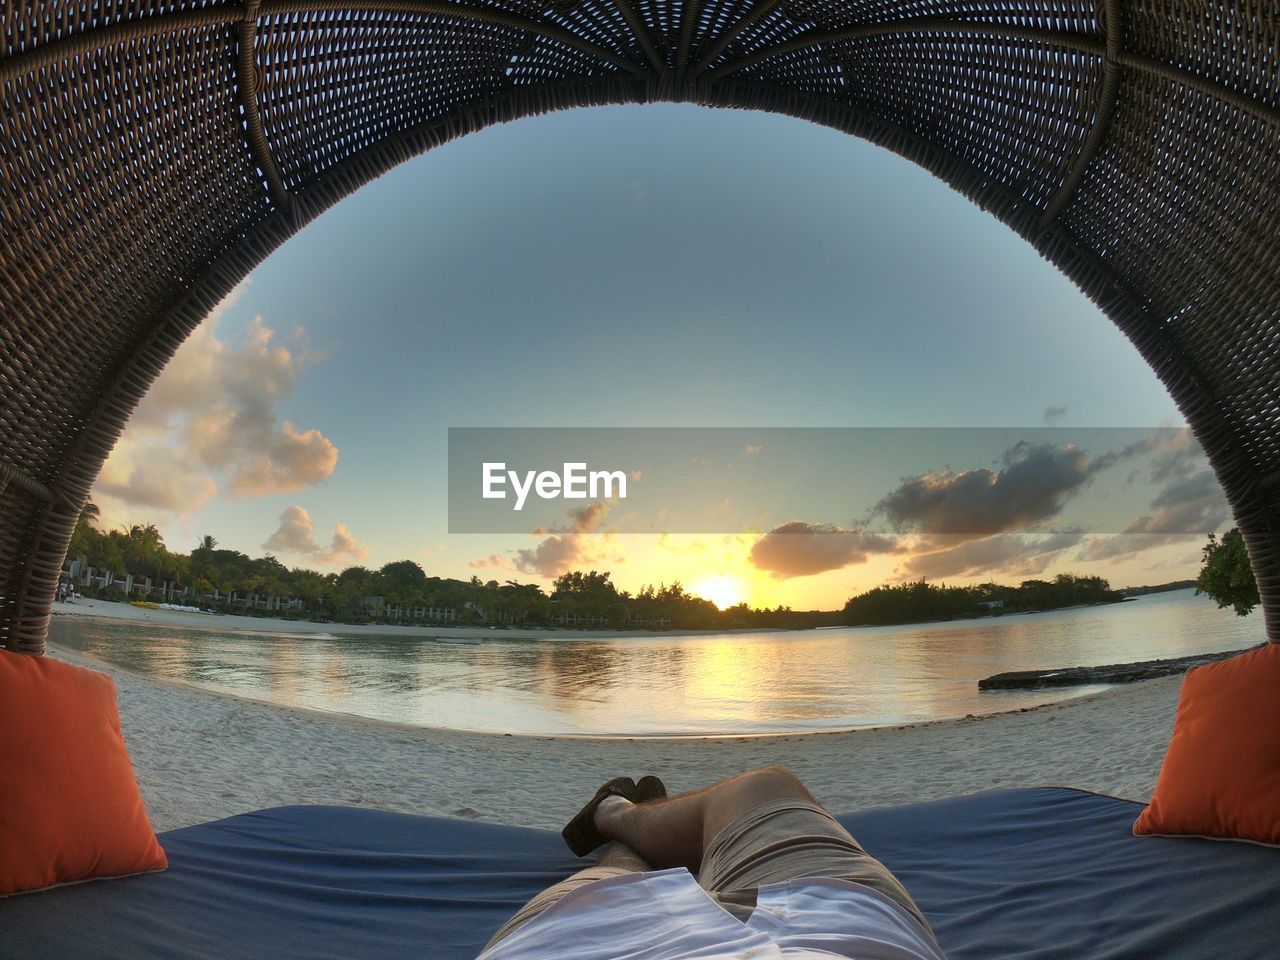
(1039,873)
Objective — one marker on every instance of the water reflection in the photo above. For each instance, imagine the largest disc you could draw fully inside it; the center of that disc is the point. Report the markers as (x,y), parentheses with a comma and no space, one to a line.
(742,683)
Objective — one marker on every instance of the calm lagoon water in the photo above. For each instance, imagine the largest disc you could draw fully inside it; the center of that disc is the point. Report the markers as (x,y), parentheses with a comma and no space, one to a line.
(671,685)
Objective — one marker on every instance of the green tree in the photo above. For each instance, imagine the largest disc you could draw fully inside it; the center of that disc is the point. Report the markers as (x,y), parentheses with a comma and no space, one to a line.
(920,601)
(405,582)
(107,556)
(1226,574)
(143,549)
(85,539)
(586,594)
(350,587)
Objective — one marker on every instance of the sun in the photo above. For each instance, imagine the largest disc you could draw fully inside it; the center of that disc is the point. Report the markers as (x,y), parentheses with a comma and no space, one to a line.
(724,591)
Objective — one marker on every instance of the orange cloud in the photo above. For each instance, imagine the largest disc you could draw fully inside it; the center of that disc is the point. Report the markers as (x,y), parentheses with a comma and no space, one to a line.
(294,460)
(800,549)
(209,424)
(297,534)
(578,542)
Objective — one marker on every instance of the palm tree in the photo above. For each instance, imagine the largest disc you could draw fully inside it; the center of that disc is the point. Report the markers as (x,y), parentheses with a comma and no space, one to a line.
(143,549)
(85,538)
(207,542)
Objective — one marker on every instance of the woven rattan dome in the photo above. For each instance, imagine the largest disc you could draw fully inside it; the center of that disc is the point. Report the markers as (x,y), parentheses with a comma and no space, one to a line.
(154,151)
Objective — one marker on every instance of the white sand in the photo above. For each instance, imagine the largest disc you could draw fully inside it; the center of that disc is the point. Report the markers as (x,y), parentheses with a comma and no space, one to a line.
(201,756)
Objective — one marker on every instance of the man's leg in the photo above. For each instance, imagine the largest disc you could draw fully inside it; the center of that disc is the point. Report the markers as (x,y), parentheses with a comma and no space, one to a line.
(675,832)
(617,859)
(740,834)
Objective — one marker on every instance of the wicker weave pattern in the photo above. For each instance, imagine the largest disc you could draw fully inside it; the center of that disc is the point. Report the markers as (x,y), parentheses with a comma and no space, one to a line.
(152,153)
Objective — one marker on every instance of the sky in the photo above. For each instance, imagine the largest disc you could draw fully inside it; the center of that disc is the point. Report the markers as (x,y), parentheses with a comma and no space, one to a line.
(649,266)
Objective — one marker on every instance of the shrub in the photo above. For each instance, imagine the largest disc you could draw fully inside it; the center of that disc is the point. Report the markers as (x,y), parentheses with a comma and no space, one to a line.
(1226,574)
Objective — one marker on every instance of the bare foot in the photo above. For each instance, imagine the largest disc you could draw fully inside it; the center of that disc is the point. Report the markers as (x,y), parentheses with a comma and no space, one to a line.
(608,811)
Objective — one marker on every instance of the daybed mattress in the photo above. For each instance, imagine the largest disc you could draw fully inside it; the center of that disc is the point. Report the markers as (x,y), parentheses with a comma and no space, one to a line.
(1032,873)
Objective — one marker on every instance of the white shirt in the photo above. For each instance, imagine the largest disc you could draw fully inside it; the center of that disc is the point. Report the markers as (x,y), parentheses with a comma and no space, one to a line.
(665,915)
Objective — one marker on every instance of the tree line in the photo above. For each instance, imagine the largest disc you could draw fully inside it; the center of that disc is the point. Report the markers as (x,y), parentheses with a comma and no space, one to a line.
(398,591)
(921,601)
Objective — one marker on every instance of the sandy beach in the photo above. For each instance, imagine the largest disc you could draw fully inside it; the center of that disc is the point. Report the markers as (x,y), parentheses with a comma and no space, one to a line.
(202,755)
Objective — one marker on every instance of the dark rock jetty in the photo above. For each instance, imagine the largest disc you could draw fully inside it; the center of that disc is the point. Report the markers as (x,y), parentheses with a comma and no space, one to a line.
(1112,673)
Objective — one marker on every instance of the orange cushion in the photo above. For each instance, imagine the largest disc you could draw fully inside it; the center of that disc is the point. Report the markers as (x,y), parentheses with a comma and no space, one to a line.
(70,808)
(1221,774)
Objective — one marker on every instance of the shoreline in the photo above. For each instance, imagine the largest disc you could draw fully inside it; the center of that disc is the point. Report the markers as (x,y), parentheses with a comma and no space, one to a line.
(113,611)
(92,662)
(230,623)
(109,610)
(202,755)
(99,611)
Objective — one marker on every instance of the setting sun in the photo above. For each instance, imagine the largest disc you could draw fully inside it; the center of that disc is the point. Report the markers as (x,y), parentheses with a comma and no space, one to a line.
(724,591)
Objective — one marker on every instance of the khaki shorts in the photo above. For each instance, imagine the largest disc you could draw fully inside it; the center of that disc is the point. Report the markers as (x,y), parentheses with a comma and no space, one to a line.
(777,841)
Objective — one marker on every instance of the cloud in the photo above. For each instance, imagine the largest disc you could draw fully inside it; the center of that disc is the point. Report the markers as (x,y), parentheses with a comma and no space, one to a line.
(1153,441)
(577,543)
(554,556)
(293,460)
(209,424)
(1190,505)
(158,476)
(585,519)
(1054,414)
(1010,553)
(1117,546)
(297,534)
(984,521)
(681,543)
(800,549)
(1032,486)
(482,563)
(1178,457)
(343,544)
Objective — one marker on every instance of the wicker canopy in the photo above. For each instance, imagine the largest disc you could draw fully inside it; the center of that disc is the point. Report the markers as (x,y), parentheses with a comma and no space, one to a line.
(155,151)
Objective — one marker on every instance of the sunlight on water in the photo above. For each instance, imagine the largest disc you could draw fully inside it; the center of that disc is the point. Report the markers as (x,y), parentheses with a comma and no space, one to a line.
(665,684)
